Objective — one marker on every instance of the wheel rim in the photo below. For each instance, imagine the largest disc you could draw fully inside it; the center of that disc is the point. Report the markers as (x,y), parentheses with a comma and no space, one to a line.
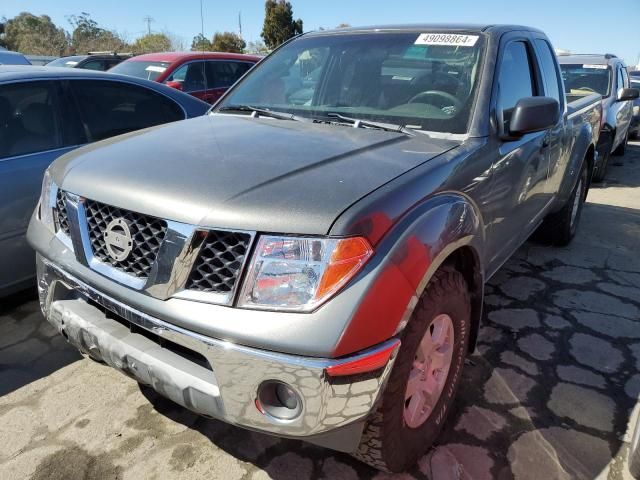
(429,372)
(576,202)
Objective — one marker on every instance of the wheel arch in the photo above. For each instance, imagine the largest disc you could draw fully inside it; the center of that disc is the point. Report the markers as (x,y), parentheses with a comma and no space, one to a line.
(445,229)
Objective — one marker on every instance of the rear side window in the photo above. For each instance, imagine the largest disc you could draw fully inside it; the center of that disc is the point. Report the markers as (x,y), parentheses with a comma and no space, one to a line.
(515,80)
(191,76)
(94,65)
(109,108)
(28,118)
(223,74)
(549,71)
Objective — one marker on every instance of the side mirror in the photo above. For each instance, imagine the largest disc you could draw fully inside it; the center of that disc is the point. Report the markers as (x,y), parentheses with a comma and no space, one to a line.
(625,94)
(533,114)
(173,84)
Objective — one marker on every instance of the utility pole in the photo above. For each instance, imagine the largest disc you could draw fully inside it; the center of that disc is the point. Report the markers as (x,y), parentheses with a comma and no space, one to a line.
(148,19)
(240,23)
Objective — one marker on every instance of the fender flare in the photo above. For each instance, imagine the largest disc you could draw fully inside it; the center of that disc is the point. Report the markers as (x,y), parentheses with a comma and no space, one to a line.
(444,228)
(584,148)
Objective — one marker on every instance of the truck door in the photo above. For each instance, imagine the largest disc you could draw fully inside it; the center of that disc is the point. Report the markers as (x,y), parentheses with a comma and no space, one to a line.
(557,139)
(520,170)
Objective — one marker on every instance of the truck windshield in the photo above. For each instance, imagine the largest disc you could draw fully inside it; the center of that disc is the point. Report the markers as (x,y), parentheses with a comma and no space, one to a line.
(580,79)
(421,80)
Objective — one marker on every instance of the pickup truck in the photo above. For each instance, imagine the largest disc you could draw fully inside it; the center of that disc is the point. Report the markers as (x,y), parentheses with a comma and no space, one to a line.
(308,260)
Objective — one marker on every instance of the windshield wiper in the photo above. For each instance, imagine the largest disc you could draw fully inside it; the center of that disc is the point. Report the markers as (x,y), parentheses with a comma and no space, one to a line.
(360,123)
(262,112)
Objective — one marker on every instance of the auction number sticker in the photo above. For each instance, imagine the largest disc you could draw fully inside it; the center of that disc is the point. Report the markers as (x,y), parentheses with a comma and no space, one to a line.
(599,67)
(153,68)
(450,39)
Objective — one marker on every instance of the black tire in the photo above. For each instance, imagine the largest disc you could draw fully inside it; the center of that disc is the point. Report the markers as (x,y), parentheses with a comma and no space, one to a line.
(634,452)
(387,443)
(560,227)
(601,172)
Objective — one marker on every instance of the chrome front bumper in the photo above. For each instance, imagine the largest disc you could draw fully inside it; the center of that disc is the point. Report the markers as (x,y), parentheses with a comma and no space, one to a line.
(333,409)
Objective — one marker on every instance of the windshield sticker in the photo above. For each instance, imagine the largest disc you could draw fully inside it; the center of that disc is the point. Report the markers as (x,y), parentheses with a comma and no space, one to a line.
(450,39)
(153,68)
(599,67)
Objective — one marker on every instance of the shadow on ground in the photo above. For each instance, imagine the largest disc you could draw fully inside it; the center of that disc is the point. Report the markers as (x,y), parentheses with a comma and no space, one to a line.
(30,348)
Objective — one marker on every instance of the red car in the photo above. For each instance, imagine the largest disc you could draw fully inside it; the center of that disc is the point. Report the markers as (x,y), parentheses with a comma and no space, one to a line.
(205,75)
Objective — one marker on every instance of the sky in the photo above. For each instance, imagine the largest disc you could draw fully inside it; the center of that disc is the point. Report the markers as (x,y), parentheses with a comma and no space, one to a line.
(582,26)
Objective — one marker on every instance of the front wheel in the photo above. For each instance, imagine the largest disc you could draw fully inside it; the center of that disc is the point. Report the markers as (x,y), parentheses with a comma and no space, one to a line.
(560,227)
(424,379)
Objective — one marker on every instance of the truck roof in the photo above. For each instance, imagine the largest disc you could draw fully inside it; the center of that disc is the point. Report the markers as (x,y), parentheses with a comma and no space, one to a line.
(446,27)
(589,58)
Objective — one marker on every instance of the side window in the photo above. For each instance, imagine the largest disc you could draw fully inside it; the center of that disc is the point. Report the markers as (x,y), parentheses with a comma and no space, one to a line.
(191,76)
(625,77)
(515,79)
(94,65)
(223,73)
(549,71)
(620,79)
(109,108)
(28,118)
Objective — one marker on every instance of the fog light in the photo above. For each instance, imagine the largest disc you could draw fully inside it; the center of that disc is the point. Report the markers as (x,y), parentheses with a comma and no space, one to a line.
(278,400)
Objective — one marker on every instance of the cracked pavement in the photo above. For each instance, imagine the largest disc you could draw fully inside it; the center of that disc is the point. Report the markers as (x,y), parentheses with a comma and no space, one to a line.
(548,393)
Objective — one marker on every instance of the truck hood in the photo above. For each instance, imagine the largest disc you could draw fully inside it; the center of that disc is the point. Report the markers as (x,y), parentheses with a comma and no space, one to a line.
(239,172)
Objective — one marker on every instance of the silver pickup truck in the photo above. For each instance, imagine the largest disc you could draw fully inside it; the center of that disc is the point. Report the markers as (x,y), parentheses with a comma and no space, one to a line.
(308,260)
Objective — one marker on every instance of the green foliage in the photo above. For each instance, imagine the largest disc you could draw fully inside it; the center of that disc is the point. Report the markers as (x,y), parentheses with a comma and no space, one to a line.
(151,43)
(227,42)
(87,36)
(257,48)
(34,35)
(279,25)
(200,43)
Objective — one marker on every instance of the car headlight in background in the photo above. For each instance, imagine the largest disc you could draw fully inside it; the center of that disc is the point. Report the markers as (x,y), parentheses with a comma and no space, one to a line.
(301,273)
(47,201)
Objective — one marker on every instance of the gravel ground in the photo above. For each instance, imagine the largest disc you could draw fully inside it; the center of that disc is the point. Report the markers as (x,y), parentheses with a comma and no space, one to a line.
(548,393)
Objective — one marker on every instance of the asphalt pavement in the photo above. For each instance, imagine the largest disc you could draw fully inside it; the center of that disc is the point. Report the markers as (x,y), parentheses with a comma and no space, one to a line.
(547,395)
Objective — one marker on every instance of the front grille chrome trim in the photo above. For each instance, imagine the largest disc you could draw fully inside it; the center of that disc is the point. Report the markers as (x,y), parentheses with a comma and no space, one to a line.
(174,262)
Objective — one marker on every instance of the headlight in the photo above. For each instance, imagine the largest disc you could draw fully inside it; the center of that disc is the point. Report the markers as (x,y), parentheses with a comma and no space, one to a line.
(47,201)
(636,110)
(298,273)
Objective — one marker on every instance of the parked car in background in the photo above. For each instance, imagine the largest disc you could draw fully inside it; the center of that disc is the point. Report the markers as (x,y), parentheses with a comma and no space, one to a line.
(308,260)
(7,57)
(44,113)
(101,61)
(206,75)
(606,75)
(634,131)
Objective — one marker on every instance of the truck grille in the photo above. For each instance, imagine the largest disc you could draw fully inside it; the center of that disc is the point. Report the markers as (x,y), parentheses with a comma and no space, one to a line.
(219,262)
(147,233)
(60,212)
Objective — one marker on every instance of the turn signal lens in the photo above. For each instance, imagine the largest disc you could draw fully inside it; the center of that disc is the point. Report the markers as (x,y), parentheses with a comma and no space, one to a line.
(301,273)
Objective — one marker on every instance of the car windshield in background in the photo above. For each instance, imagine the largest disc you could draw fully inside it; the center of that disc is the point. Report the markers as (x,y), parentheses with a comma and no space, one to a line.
(68,62)
(582,79)
(424,81)
(147,70)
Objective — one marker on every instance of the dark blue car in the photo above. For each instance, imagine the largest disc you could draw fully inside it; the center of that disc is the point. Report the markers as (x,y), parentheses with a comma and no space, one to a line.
(44,113)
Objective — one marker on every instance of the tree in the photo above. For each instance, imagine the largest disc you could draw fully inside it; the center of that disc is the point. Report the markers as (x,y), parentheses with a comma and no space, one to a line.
(257,48)
(88,36)
(227,42)
(279,25)
(201,43)
(152,42)
(34,35)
